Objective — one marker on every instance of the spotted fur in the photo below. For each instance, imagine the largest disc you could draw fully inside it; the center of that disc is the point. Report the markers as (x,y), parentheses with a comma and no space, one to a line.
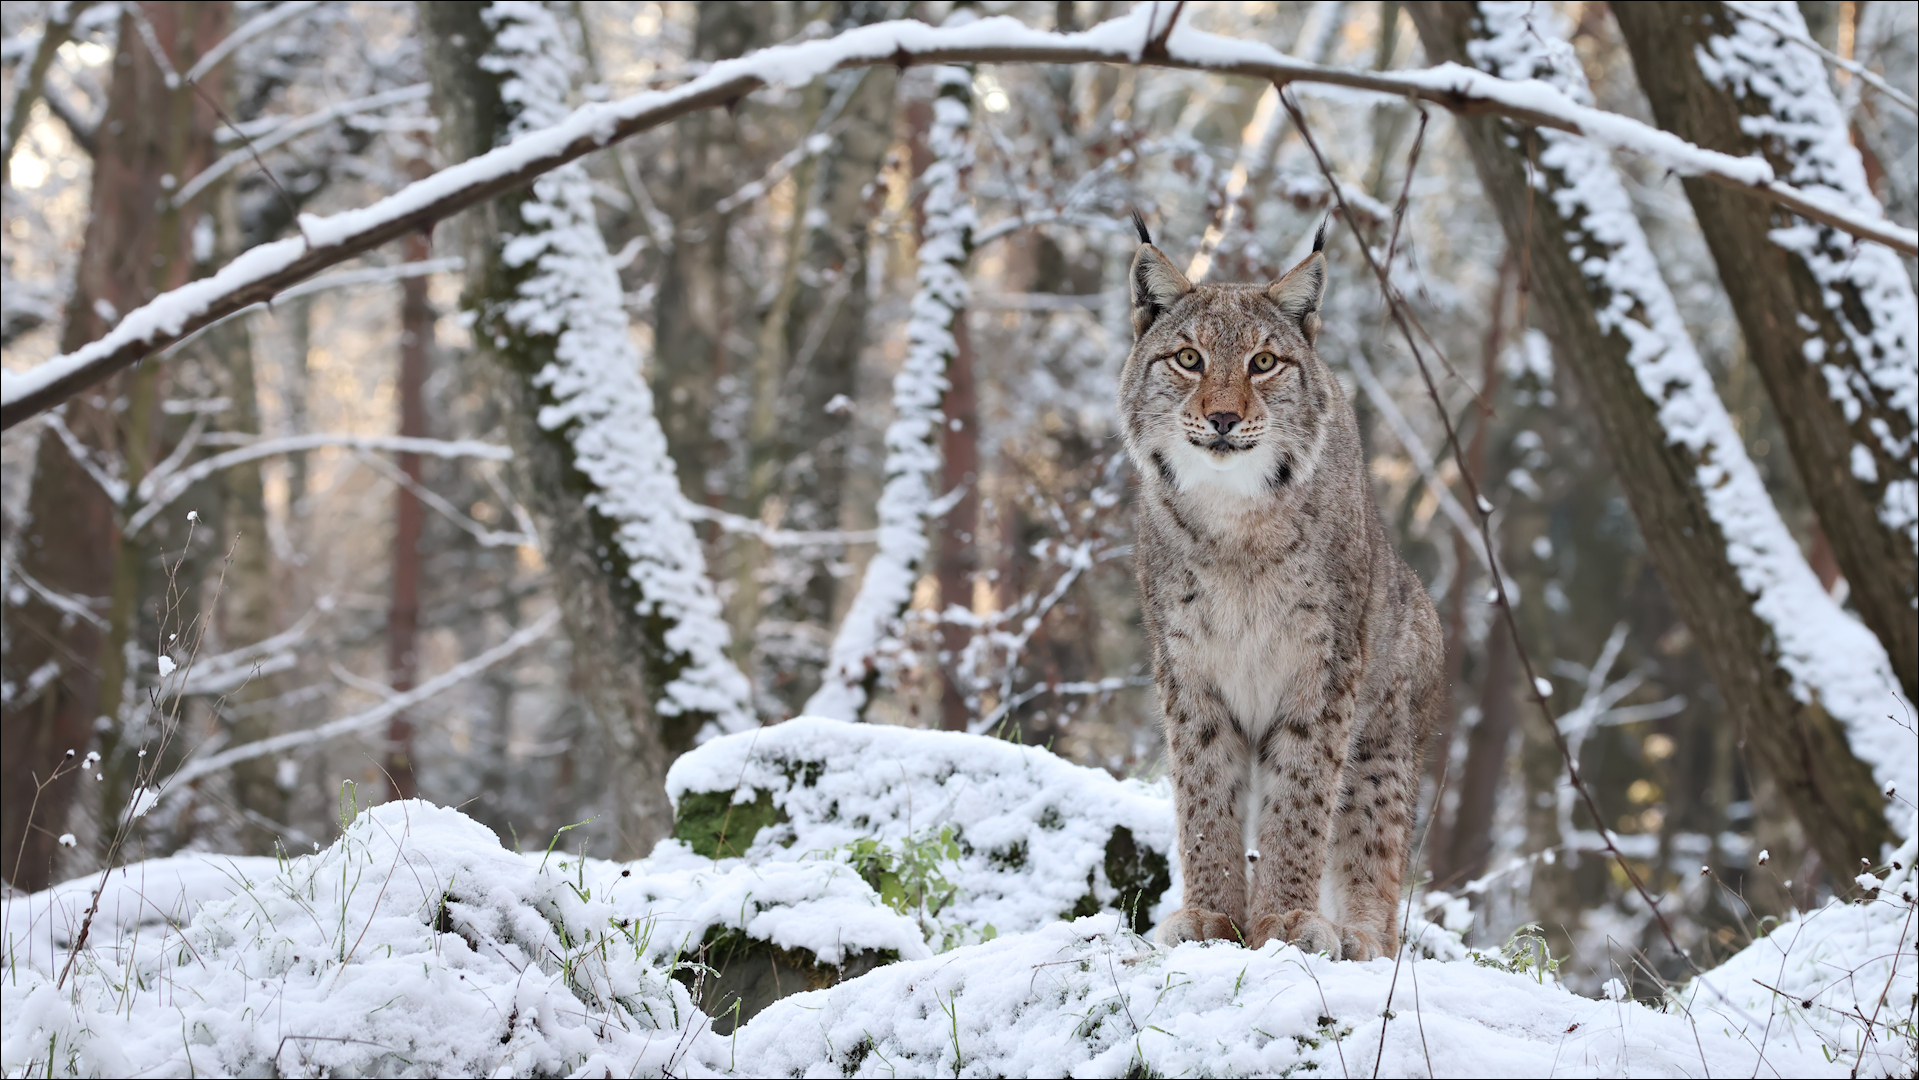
(1298,658)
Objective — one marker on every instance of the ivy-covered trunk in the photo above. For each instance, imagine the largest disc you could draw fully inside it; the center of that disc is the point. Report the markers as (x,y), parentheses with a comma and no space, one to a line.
(649,659)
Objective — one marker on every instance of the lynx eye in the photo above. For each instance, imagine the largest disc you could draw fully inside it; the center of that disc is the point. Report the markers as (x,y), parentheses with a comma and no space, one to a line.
(1189,359)
(1264,362)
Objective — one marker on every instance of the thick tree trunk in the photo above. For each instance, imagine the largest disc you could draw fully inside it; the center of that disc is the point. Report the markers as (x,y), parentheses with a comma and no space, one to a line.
(70,543)
(1828,321)
(1831,791)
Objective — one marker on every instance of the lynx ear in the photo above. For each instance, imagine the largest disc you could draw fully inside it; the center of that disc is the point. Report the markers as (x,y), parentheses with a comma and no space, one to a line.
(1299,292)
(1157,285)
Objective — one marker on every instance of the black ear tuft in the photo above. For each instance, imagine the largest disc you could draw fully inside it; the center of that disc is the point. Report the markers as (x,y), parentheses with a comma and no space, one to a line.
(1139,226)
(1319,238)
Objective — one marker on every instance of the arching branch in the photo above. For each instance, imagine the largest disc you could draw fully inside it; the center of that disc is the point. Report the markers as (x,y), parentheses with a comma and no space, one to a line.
(260,274)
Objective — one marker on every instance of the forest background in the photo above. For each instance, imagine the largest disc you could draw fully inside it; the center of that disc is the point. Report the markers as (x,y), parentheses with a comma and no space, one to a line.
(817,417)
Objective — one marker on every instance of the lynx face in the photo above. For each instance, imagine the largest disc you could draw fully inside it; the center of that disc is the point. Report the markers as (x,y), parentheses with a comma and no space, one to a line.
(1223,387)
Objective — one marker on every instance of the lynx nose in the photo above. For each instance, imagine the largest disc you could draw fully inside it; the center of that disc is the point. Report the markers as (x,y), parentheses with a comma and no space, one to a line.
(1223,421)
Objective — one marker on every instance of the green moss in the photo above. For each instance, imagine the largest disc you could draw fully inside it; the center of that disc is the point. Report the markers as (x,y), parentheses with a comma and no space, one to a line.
(734,976)
(711,823)
(1141,875)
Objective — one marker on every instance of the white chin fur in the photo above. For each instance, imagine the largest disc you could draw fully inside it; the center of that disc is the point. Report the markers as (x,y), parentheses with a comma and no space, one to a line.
(1242,473)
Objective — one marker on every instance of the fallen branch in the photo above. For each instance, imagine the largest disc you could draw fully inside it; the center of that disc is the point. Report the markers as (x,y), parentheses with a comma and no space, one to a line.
(1137,38)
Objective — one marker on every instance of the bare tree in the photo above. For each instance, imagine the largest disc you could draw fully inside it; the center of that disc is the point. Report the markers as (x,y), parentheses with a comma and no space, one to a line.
(648,647)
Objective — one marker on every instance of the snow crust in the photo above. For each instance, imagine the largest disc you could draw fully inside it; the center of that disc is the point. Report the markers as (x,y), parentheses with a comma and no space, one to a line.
(1809,129)
(1830,656)
(913,455)
(415,945)
(601,403)
(1088,999)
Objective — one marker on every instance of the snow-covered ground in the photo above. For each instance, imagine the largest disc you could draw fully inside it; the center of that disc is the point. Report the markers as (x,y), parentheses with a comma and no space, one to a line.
(947,904)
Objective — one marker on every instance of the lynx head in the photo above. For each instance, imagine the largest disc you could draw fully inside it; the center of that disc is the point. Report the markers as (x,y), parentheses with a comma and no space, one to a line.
(1223,387)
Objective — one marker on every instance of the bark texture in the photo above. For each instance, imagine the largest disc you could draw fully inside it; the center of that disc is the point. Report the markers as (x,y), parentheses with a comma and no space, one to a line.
(1795,325)
(1797,744)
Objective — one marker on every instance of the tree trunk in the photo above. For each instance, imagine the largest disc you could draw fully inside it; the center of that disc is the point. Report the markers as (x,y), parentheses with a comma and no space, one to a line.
(1802,747)
(70,544)
(409,515)
(628,570)
(697,304)
(958,540)
(1829,321)
(246,600)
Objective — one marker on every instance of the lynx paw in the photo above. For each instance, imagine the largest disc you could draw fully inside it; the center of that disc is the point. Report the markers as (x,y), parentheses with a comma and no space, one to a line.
(1358,944)
(1307,929)
(1195,924)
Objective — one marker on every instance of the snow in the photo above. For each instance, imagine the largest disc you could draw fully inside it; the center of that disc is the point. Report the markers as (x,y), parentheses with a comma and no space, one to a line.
(913,438)
(1830,656)
(599,399)
(1804,124)
(415,944)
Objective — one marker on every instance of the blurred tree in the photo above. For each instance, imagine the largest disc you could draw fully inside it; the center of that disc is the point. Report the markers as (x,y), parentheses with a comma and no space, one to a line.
(1798,743)
(82,616)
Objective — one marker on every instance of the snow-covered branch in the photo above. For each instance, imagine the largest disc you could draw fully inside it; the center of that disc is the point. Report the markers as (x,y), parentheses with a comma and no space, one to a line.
(363,721)
(741,525)
(247,31)
(1137,38)
(913,438)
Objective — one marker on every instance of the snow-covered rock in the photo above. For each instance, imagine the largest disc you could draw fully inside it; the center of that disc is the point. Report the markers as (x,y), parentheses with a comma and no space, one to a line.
(1041,839)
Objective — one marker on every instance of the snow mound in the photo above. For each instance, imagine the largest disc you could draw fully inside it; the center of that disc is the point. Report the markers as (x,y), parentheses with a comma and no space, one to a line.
(779,936)
(1040,839)
(413,946)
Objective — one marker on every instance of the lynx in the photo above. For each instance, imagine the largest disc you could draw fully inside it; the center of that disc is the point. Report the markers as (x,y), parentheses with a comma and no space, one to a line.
(1298,659)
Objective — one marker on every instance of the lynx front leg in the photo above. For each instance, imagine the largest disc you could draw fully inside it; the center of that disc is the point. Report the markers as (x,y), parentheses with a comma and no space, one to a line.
(1208,752)
(1299,764)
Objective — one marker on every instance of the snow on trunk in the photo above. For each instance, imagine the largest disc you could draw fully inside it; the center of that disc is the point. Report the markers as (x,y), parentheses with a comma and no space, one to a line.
(1830,657)
(913,439)
(1810,131)
(601,404)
